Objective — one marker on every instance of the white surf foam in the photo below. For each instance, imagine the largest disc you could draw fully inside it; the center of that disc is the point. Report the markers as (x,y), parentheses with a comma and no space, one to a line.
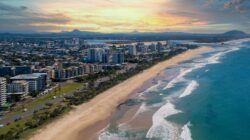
(110,136)
(142,109)
(162,128)
(186,133)
(237,42)
(153,88)
(178,78)
(214,59)
(190,88)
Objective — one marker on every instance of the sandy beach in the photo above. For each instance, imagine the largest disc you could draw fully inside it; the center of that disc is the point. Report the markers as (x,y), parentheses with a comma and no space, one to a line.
(100,108)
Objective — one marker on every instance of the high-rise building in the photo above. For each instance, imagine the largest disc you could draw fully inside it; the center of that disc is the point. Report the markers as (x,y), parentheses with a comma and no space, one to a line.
(106,56)
(144,49)
(118,58)
(132,50)
(3,91)
(152,48)
(95,55)
(159,47)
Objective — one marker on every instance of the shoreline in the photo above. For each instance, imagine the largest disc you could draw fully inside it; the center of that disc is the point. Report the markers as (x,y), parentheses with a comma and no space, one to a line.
(101,107)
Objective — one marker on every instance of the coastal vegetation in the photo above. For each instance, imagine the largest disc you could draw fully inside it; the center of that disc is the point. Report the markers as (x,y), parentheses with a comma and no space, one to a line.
(22,127)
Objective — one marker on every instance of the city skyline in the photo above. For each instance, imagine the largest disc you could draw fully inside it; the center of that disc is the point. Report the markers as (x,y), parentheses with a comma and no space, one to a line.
(198,16)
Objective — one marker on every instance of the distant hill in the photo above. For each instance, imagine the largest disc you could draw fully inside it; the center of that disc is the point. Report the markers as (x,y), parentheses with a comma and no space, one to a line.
(235,33)
(78,32)
(146,36)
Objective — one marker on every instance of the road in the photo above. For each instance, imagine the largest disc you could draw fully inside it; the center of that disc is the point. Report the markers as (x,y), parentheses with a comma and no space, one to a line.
(11,117)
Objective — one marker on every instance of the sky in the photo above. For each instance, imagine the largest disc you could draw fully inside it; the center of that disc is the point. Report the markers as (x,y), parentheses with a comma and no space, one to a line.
(197,16)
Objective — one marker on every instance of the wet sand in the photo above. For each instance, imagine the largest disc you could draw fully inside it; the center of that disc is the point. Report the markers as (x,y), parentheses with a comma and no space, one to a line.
(84,121)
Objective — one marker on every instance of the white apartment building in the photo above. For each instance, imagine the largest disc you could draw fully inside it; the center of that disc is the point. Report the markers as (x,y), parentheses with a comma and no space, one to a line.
(3,90)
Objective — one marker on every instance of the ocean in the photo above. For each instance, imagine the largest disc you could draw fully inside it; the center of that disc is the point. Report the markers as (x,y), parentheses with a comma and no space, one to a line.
(205,98)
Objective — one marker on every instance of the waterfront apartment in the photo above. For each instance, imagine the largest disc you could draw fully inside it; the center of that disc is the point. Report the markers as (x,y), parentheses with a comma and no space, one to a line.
(36,81)
(3,91)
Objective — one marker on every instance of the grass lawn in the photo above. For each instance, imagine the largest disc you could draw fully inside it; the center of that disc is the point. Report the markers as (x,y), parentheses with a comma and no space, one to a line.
(63,89)
(21,123)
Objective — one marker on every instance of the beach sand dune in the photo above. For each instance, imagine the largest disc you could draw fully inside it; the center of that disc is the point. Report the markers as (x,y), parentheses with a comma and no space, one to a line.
(70,126)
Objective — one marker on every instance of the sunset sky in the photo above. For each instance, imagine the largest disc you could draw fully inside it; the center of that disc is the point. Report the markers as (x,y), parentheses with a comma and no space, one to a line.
(198,16)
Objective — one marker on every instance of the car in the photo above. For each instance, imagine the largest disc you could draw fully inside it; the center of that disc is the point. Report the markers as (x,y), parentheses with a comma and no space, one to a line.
(19,118)
(25,110)
(1,125)
(49,104)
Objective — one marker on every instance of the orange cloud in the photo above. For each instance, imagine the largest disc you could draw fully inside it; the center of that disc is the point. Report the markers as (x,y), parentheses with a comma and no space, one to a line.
(118,16)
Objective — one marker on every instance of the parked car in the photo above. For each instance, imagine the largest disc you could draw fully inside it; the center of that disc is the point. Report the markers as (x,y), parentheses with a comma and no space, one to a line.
(25,110)
(49,104)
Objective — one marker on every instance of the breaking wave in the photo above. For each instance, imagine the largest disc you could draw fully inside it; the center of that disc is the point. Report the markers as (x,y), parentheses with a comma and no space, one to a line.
(186,133)
(162,128)
(190,88)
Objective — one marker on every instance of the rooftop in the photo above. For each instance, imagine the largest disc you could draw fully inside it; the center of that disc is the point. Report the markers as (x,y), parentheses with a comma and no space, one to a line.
(28,76)
(2,79)
(20,82)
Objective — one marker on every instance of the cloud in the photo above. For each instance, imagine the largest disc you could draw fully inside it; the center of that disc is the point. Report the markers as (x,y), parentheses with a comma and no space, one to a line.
(124,15)
(9,8)
(208,3)
(18,18)
(239,5)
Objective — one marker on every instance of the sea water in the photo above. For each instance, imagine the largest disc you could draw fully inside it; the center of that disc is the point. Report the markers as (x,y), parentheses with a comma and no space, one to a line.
(209,99)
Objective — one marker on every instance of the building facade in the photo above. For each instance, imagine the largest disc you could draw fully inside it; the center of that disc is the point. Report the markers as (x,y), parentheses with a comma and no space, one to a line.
(118,58)
(95,55)
(3,91)
(18,87)
(132,50)
(36,81)
(22,70)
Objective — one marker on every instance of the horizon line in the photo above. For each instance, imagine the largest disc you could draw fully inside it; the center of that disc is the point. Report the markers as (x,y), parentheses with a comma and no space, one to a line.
(131,32)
